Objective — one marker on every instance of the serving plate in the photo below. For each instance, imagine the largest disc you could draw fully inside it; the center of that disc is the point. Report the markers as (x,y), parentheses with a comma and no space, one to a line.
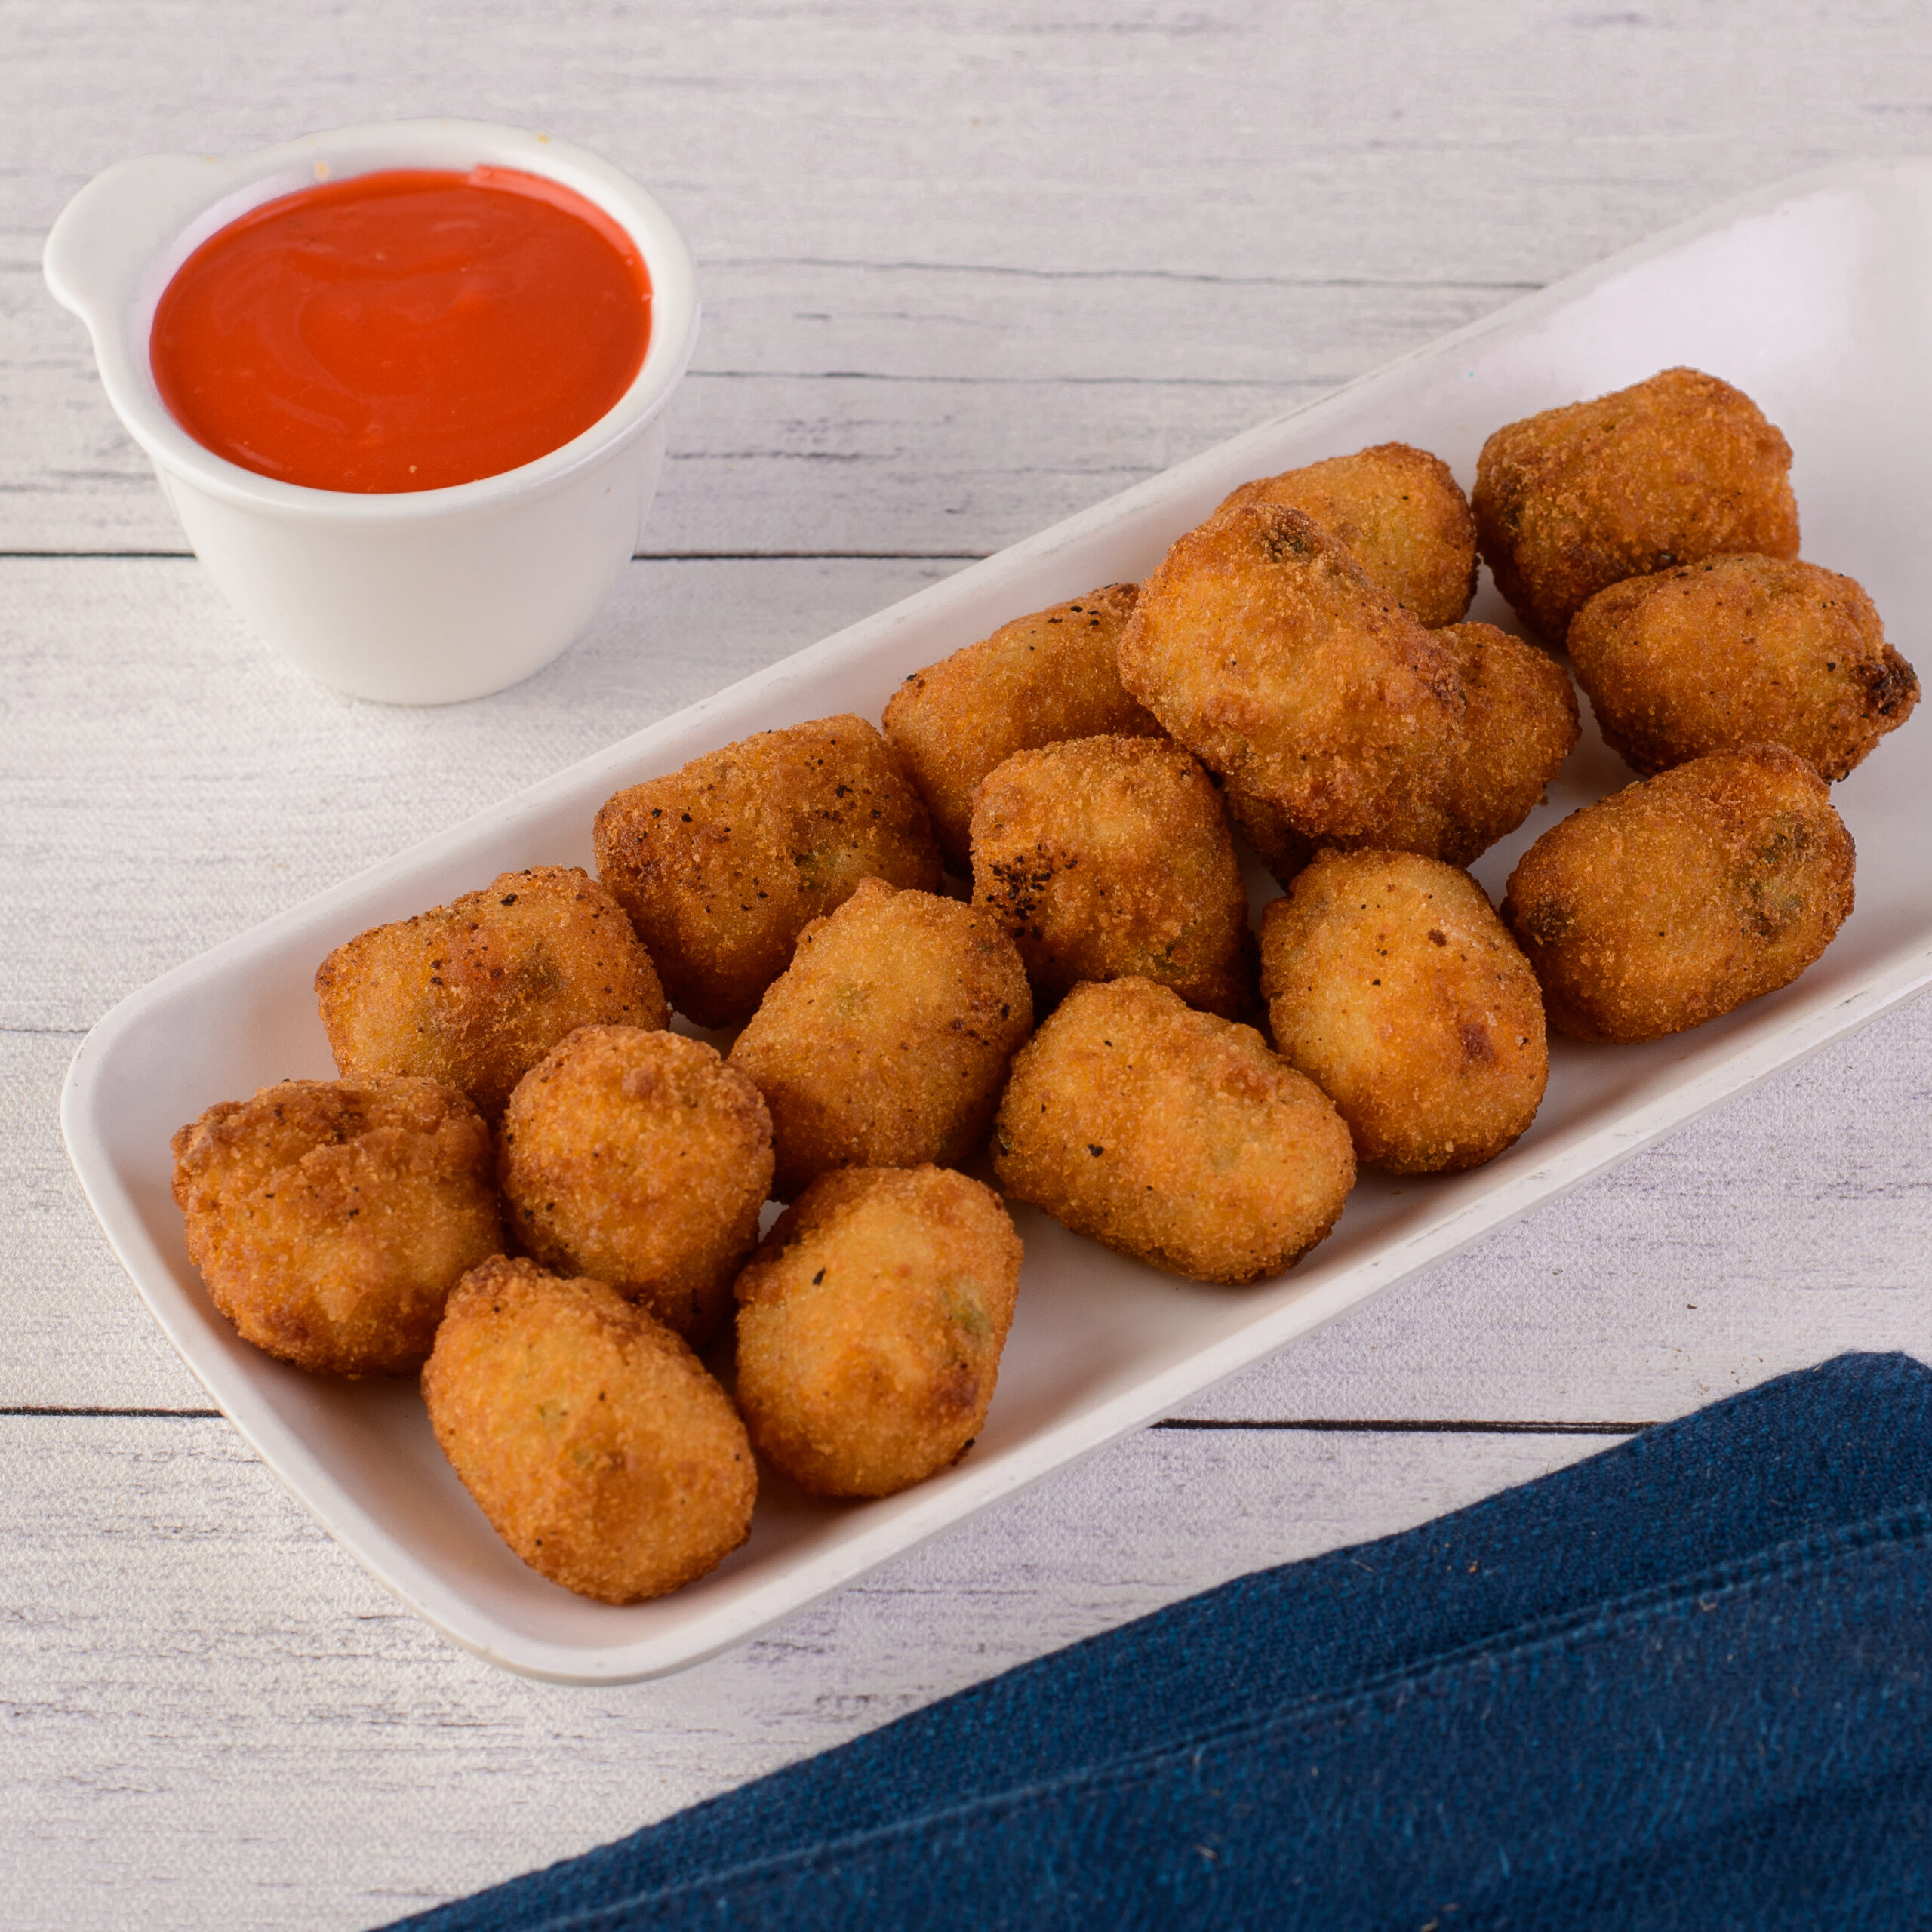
(1814,296)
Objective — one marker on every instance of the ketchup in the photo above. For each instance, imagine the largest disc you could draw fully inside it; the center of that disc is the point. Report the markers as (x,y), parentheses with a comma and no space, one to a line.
(403,330)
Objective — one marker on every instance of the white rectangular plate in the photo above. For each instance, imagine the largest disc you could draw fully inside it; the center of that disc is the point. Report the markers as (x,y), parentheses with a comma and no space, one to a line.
(1815,296)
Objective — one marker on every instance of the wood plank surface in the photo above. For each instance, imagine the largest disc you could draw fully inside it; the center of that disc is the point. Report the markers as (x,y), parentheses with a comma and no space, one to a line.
(213,1717)
(966,269)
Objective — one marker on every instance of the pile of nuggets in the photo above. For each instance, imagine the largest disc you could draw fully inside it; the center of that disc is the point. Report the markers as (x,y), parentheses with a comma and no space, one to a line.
(525,1186)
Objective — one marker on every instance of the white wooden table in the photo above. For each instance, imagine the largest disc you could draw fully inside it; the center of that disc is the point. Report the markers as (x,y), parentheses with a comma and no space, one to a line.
(965,270)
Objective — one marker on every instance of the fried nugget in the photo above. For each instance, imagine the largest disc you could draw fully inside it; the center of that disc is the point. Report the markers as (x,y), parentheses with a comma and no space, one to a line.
(1398,511)
(885,1043)
(477,992)
(1392,985)
(1269,830)
(870,1324)
(1681,897)
(1171,1135)
(589,1434)
(1035,680)
(1670,471)
(722,864)
(1105,857)
(330,1219)
(1261,645)
(1738,650)
(641,1160)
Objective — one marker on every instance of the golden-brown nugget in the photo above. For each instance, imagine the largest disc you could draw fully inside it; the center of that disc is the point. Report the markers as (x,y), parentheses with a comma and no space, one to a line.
(1392,985)
(640,1160)
(1739,650)
(589,1434)
(1670,471)
(1263,648)
(1171,1135)
(1105,857)
(1679,898)
(885,1043)
(330,1219)
(1035,680)
(1398,511)
(721,864)
(870,1324)
(474,993)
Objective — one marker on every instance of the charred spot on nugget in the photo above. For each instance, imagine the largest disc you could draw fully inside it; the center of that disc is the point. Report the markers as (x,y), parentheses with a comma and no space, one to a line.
(1039,679)
(1107,857)
(595,1441)
(1398,511)
(641,1160)
(330,1219)
(870,1325)
(1670,471)
(1392,983)
(722,864)
(1738,650)
(1679,898)
(474,993)
(886,1041)
(1171,1135)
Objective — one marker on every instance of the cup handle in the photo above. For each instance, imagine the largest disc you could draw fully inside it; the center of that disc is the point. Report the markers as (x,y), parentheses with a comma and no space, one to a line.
(97,248)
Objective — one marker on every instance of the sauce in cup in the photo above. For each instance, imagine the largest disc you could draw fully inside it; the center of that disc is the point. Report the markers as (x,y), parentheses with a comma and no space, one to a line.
(407,330)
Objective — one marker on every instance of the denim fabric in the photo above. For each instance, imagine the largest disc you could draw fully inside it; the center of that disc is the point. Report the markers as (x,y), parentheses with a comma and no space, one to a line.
(1687,1682)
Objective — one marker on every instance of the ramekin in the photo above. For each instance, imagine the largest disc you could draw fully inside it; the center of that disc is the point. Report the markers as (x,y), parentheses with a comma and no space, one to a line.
(425,597)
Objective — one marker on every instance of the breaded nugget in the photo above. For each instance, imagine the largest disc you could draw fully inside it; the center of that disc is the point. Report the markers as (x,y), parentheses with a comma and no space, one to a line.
(589,1434)
(1679,898)
(870,1324)
(1035,680)
(885,1043)
(1519,724)
(330,1219)
(641,1160)
(1670,471)
(1260,645)
(1739,650)
(722,864)
(1171,1135)
(1393,985)
(1398,511)
(477,992)
(1105,857)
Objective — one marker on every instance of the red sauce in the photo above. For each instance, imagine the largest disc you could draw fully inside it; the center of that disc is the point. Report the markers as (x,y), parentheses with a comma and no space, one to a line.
(403,330)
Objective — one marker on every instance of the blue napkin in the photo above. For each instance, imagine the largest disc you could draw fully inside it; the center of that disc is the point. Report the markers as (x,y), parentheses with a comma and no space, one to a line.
(1686,1683)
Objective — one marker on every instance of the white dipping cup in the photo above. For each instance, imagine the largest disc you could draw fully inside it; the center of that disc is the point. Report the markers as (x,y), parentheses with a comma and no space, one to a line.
(425,597)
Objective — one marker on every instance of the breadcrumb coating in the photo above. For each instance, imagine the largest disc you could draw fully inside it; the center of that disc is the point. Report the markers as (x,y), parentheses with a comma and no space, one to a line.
(1171,1135)
(1738,650)
(474,993)
(1392,983)
(1107,857)
(1681,897)
(870,1325)
(885,1043)
(592,1437)
(640,1160)
(329,1219)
